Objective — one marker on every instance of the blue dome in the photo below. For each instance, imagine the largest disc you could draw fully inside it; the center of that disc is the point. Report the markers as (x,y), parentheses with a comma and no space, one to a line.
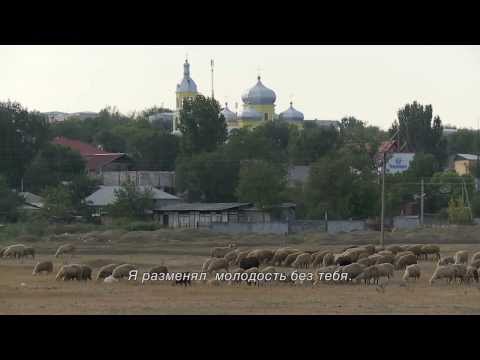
(229,115)
(187,84)
(291,115)
(259,95)
(250,114)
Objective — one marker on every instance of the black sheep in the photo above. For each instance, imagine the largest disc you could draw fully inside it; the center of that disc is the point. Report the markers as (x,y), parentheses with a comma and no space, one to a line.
(249,262)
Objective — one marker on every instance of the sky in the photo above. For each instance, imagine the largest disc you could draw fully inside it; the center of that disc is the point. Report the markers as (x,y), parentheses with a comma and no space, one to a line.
(324,82)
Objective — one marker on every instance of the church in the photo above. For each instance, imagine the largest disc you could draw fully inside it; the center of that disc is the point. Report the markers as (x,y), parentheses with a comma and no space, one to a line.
(258,106)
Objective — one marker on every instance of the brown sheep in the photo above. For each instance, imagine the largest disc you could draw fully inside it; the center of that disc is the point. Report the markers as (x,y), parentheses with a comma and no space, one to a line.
(460,271)
(382,259)
(412,271)
(302,261)
(368,274)
(263,255)
(446,261)
(317,258)
(368,261)
(16,251)
(353,270)
(280,255)
(231,256)
(461,257)
(106,271)
(220,252)
(123,271)
(86,272)
(404,261)
(65,249)
(159,269)
(443,272)
(290,258)
(29,251)
(472,274)
(416,249)
(69,272)
(241,255)
(430,249)
(394,249)
(328,259)
(43,266)
(385,270)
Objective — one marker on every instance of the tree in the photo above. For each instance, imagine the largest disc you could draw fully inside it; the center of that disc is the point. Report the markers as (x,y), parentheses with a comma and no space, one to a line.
(58,204)
(22,134)
(262,183)
(9,202)
(420,131)
(53,164)
(463,141)
(202,126)
(458,213)
(211,177)
(131,202)
(423,166)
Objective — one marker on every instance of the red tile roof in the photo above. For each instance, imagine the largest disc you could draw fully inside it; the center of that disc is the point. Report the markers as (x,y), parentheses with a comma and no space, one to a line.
(95,158)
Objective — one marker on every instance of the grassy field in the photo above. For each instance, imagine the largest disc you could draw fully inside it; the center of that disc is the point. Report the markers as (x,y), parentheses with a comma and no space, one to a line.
(23,293)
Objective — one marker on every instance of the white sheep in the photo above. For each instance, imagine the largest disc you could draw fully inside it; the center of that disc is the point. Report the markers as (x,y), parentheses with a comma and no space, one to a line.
(302,261)
(385,270)
(443,272)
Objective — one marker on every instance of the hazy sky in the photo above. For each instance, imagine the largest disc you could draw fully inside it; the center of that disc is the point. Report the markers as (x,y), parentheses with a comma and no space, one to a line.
(325,82)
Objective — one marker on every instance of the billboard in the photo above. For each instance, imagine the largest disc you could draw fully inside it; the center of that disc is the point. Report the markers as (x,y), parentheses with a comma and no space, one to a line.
(399,162)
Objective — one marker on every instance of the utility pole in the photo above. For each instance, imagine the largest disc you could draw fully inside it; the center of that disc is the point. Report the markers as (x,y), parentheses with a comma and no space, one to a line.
(422,191)
(382,219)
(211,65)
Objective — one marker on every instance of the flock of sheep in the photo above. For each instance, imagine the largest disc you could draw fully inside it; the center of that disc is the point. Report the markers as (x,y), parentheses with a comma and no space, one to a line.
(361,263)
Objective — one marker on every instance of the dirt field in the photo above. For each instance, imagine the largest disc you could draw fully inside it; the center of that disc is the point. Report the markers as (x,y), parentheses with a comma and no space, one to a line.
(23,293)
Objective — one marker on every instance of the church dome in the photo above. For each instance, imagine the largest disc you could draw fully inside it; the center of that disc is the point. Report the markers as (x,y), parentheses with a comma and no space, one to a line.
(228,114)
(187,84)
(259,95)
(291,114)
(250,114)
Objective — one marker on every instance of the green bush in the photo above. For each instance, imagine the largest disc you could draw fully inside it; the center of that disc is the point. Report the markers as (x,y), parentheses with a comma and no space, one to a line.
(458,213)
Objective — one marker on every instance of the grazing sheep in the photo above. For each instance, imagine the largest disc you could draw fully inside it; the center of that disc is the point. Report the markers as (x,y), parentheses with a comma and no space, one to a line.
(241,255)
(248,263)
(123,271)
(252,270)
(443,272)
(280,255)
(412,271)
(461,257)
(353,270)
(16,251)
(475,263)
(220,252)
(430,249)
(475,256)
(65,249)
(472,274)
(385,270)
(367,261)
(291,258)
(217,264)
(416,249)
(231,256)
(394,249)
(110,279)
(460,271)
(385,252)
(328,259)
(267,270)
(29,251)
(302,261)
(446,261)
(343,259)
(159,269)
(86,272)
(317,258)
(206,264)
(404,261)
(263,255)
(2,251)
(236,271)
(106,271)
(368,274)
(403,253)
(69,272)
(382,259)
(43,266)
(370,249)
(326,269)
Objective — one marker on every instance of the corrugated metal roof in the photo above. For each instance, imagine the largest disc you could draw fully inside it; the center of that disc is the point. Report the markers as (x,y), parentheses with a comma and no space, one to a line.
(201,206)
(106,195)
(467,156)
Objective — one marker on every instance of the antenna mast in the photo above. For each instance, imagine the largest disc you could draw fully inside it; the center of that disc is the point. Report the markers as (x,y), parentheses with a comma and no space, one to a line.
(211,66)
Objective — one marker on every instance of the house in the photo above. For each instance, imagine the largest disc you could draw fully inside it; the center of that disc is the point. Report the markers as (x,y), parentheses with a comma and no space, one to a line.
(464,164)
(195,215)
(97,160)
(164,180)
(106,195)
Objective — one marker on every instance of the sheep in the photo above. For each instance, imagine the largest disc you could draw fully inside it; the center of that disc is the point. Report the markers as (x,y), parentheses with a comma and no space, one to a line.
(248,263)
(460,271)
(461,257)
(475,263)
(412,271)
(328,259)
(43,266)
(28,250)
(123,271)
(217,264)
(281,254)
(263,255)
(110,279)
(65,249)
(343,259)
(382,259)
(325,269)
(443,272)
(185,280)
(236,271)
(475,256)
(446,261)
(267,270)
(241,255)
(231,256)
(69,272)
(472,274)
(368,274)
(86,272)
(353,270)
(385,270)
(370,249)
(2,251)
(160,269)
(385,252)
(106,271)
(302,261)
(16,251)
(404,261)
(220,252)
(317,258)
(403,253)
(416,249)
(394,249)
(291,258)
(430,249)
(206,264)
(252,270)
(367,261)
